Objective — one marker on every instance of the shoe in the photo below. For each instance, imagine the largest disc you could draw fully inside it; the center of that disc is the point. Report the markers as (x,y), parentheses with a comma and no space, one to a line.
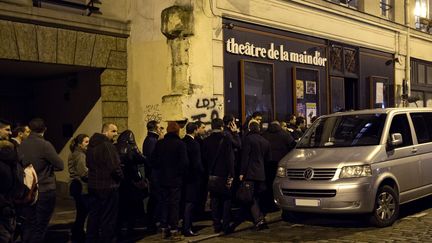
(189,233)
(261,225)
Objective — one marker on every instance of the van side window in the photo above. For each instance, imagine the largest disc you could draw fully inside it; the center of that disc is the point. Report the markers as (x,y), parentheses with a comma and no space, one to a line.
(420,126)
(400,125)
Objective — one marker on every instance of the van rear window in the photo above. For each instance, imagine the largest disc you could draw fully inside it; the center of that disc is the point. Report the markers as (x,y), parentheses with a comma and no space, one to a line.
(344,131)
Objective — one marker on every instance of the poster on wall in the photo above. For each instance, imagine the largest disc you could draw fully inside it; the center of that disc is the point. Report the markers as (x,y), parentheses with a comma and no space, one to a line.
(310,87)
(301,110)
(379,98)
(299,89)
(311,111)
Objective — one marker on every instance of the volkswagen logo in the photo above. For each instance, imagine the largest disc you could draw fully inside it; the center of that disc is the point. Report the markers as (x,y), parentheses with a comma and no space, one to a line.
(308,174)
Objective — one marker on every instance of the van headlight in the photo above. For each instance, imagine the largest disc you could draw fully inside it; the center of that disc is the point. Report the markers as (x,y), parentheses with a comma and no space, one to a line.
(355,171)
(281,172)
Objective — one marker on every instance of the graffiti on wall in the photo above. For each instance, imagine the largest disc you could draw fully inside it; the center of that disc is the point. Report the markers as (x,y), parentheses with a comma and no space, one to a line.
(205,109)
(152,112)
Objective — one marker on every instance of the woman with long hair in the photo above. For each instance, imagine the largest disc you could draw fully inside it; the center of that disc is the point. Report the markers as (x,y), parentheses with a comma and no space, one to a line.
(78,187)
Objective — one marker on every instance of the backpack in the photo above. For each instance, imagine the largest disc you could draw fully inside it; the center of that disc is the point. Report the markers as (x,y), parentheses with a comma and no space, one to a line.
(31,182)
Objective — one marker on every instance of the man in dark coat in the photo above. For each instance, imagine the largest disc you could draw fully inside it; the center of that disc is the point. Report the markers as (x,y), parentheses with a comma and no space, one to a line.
(104,176)
(202,192)
(194,174)
(11,185)
(255,154)
(219,155)
(169,160)
(154,133)
(281,142)
(45,160)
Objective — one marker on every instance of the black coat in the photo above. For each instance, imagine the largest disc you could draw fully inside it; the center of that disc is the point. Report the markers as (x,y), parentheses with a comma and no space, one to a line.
(131,158)
(103,162)
(148,148)
(11,185)
(194,171)
(281,142)
(169,160)
(220,163)
(255,154)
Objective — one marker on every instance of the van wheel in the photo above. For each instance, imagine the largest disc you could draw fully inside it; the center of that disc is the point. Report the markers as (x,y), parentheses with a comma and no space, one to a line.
(386,209)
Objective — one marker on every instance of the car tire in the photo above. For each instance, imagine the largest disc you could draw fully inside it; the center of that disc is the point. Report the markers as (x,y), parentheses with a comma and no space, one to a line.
(386,209)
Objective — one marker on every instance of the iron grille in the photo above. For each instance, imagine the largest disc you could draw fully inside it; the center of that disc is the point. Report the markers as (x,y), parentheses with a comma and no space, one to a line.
(319,174)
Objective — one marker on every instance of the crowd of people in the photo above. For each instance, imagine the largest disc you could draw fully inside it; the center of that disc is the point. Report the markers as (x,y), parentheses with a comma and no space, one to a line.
(114,184)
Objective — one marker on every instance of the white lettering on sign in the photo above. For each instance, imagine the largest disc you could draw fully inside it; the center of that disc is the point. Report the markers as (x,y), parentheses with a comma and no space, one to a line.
(274,53)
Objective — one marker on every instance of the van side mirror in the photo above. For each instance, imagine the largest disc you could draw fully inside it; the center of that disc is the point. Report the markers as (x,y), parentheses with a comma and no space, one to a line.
(396,139)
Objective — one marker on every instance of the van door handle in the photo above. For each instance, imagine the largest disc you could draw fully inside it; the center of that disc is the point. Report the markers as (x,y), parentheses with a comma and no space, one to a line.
(414,150)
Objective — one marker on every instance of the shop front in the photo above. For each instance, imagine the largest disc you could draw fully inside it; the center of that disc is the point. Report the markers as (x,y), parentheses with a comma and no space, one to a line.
(279,73)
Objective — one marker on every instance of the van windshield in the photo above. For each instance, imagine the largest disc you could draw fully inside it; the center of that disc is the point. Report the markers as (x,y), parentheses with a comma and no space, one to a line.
(344,131)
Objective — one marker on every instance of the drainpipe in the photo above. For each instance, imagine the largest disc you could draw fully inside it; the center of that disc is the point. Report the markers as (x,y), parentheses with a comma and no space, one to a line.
(407,57)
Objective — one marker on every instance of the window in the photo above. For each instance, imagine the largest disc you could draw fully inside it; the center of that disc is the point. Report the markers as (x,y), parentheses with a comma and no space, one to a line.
(421,83)
(344,131)
(81,7)
(348,3)
(400,125)
(420,125)
(386,7)
(422,15)
(257,82)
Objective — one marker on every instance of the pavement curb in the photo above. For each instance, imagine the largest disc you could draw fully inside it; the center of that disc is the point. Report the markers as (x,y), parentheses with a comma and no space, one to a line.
(271,219)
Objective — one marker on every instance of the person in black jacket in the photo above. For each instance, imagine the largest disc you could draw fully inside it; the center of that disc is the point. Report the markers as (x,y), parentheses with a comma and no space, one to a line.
(219,155)
(169,162)
(255,154)
(104,176)
(281,142)
(11,188)
(202,192)
(133,188)
(194,174)
(153,214)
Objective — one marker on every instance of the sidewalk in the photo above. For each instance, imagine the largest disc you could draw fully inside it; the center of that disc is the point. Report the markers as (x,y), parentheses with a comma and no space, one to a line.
(64,216)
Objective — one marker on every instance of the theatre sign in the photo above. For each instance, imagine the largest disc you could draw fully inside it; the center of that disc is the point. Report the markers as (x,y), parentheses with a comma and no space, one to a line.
(274,53)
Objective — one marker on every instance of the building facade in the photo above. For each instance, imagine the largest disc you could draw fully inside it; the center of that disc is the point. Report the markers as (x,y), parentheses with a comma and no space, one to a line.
(78,65)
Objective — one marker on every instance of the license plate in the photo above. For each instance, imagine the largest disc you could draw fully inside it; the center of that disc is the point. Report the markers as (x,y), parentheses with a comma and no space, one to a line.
(307,202)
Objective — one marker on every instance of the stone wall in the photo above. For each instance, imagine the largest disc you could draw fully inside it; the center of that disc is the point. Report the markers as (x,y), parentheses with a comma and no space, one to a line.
(30,42)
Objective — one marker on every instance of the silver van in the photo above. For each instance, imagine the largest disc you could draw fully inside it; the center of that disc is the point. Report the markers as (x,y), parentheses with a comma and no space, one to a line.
(368,161)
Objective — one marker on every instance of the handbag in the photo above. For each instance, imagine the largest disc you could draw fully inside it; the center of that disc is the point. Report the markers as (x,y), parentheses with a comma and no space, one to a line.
(245,192)
(218,184)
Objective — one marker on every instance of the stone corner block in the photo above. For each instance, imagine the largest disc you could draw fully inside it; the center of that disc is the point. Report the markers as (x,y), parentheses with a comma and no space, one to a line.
(114,93)
(114,77)
(117,59)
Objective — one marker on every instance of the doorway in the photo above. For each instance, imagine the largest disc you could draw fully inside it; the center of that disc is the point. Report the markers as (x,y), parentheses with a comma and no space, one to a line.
(343,94)
(62,95)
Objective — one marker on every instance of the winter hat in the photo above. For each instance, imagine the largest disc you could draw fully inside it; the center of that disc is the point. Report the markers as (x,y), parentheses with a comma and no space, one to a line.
(173,127)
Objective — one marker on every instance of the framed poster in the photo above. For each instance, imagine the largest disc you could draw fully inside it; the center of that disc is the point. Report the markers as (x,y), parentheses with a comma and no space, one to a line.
(306,92)
(257,89)
(310,87)
(379,92)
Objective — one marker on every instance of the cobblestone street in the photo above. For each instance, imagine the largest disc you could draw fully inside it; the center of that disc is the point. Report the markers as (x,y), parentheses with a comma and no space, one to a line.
(414,225)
